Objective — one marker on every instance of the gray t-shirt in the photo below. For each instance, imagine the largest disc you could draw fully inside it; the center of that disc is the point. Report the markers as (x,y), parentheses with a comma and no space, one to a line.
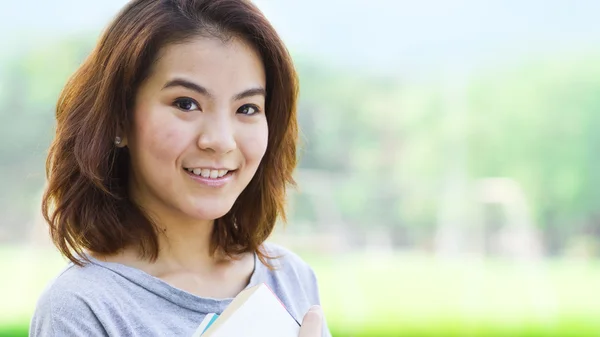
(111,299)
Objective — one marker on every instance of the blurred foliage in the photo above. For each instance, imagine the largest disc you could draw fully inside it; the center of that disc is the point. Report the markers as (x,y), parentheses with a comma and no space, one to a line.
(387,146)
(395,143)
(30,82)
(538,124)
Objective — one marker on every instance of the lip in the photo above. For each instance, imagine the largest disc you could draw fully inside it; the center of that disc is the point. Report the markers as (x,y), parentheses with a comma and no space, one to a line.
(216,182)
(209,168)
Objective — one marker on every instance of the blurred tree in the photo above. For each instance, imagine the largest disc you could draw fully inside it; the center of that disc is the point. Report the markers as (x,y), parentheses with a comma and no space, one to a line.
(381,144)
(31,82)
(538,123)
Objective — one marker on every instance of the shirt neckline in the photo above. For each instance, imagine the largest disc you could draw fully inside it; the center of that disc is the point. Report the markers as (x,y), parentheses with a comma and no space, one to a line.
(171,293)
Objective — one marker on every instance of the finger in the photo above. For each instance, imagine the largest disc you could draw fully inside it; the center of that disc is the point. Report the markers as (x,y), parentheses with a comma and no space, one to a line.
(312,324)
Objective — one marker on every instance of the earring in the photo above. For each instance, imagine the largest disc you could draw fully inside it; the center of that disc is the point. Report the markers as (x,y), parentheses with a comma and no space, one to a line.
(117,140)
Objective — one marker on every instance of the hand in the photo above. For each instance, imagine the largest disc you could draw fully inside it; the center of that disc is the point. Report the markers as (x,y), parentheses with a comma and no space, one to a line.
(312,324)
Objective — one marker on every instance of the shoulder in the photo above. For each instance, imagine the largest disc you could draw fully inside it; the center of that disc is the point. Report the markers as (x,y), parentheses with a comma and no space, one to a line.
(77,283)
(284,259)
(294,281)
(290,268)
(67,304)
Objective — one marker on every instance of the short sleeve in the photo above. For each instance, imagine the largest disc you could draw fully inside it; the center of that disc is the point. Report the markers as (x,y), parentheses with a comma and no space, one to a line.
(314,292)
(60,313)
(299,277)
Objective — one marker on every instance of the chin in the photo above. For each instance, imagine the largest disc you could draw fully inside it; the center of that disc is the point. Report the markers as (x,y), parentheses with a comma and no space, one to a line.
(209,212)
(209,215)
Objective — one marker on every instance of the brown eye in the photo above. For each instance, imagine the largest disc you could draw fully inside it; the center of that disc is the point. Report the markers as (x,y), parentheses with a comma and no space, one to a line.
(186,104)
(248,109)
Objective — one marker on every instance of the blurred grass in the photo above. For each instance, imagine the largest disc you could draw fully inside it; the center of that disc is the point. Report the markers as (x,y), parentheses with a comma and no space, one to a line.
(409,295)
(415,295)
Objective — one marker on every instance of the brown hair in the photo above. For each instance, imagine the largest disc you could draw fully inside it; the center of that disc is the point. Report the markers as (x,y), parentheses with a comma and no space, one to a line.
(86,202)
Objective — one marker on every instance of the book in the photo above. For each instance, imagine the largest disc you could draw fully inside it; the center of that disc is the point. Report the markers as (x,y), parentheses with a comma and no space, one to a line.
(254,312)
(206,323)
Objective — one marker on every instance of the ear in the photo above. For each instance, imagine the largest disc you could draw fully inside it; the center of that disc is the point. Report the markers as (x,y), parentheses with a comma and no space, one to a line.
(121,138)
(120,141)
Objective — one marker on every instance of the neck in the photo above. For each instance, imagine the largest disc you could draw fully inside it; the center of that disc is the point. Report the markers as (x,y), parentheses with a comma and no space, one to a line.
(185,244)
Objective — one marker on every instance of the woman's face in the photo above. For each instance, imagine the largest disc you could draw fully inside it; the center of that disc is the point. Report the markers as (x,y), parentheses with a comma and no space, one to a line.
(199,129)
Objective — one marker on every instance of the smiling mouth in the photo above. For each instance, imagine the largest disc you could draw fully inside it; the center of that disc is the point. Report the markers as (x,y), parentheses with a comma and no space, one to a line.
(208,173)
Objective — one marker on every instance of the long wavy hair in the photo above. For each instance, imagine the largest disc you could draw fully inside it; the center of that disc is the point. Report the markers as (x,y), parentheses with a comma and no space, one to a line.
(86,202)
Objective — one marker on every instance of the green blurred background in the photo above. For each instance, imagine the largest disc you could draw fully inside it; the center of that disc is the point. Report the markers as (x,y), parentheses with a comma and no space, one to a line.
(449,174)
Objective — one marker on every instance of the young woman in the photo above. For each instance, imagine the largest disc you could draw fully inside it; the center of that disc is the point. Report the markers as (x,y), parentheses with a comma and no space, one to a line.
(175,141)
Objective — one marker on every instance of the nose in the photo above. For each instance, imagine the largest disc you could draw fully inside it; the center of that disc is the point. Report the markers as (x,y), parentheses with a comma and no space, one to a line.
(217,133)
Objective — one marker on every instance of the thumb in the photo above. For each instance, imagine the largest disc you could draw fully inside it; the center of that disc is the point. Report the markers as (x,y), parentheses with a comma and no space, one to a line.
(312,324)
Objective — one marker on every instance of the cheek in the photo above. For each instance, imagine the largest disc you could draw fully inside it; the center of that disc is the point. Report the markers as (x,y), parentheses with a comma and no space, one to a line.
(254,143)
(160,139)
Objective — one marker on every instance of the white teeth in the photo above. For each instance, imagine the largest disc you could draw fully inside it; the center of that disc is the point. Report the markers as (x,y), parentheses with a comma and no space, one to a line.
(208,173)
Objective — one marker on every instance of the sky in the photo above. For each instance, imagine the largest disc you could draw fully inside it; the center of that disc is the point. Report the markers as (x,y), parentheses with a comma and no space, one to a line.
(382,35)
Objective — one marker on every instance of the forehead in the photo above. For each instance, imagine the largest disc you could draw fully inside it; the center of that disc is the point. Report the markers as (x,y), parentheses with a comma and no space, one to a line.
(220,65)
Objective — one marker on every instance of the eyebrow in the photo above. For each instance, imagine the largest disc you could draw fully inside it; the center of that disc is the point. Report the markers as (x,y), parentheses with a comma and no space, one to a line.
(189,85)
(178,82)
(250,93)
